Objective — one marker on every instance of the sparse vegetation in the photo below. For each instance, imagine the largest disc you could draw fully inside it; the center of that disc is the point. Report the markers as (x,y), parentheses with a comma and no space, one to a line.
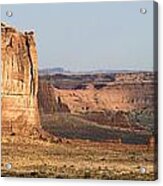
(77,159)
(71,126)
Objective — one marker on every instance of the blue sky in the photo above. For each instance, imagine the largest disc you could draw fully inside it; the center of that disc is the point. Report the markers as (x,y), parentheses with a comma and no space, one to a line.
(89,36)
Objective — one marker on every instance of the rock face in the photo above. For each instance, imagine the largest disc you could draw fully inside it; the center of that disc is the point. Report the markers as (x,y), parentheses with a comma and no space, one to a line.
(100,92)
(122,105)
(19,85)
(114,96)
(49,103)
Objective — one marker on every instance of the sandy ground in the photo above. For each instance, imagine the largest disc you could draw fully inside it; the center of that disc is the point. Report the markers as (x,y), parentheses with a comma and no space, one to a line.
(75,159)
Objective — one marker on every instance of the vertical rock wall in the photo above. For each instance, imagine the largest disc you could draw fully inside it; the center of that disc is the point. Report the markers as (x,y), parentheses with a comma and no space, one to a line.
(19,81)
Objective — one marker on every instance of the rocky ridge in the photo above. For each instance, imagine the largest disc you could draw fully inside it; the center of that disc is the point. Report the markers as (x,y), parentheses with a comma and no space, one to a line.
(100,92)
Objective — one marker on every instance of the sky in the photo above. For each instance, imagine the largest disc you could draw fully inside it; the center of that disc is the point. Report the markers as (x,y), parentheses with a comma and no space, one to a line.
(88,36)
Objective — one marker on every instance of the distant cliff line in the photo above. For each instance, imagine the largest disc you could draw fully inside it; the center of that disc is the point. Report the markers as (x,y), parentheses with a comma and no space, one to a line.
(56,70)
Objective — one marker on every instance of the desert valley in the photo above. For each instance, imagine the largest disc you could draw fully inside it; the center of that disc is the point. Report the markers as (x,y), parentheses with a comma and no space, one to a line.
(62,124)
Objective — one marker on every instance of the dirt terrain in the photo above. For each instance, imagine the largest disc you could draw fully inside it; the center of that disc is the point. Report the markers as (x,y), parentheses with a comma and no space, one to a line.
(76,159)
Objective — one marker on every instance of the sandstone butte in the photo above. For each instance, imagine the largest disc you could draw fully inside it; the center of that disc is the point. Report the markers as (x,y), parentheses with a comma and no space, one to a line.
(19,85)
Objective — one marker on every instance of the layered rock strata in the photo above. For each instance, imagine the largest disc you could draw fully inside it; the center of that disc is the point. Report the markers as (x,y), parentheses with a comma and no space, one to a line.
(100,92)
(49,102)
(19,81)
(126,97)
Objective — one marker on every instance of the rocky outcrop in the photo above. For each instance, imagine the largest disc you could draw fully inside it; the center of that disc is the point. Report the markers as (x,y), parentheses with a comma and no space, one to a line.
(135,77)
(98,92)
(49,102)
(126,96)
(19,85)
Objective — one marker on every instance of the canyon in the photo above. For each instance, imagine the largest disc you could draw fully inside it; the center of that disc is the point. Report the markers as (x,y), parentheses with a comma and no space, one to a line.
(123,101)
(118,91)
(67,125)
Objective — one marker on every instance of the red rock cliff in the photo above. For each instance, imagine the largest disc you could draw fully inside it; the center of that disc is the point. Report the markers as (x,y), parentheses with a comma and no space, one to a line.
(19,85)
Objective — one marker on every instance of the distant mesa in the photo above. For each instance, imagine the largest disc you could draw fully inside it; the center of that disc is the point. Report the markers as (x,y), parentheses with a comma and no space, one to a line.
(51,71)
(60,70)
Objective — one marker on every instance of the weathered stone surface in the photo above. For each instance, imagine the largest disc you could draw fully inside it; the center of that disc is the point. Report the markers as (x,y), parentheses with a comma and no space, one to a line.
(49,102)
(115,96)
(19,85)
(99,92)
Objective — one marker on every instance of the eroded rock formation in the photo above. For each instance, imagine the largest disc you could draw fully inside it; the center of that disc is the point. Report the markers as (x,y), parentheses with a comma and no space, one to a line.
(99,92)
(114,96)
(49,102)
(19,85)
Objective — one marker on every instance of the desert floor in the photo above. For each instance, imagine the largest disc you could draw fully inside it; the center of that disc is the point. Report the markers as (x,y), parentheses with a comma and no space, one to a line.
(75,159)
